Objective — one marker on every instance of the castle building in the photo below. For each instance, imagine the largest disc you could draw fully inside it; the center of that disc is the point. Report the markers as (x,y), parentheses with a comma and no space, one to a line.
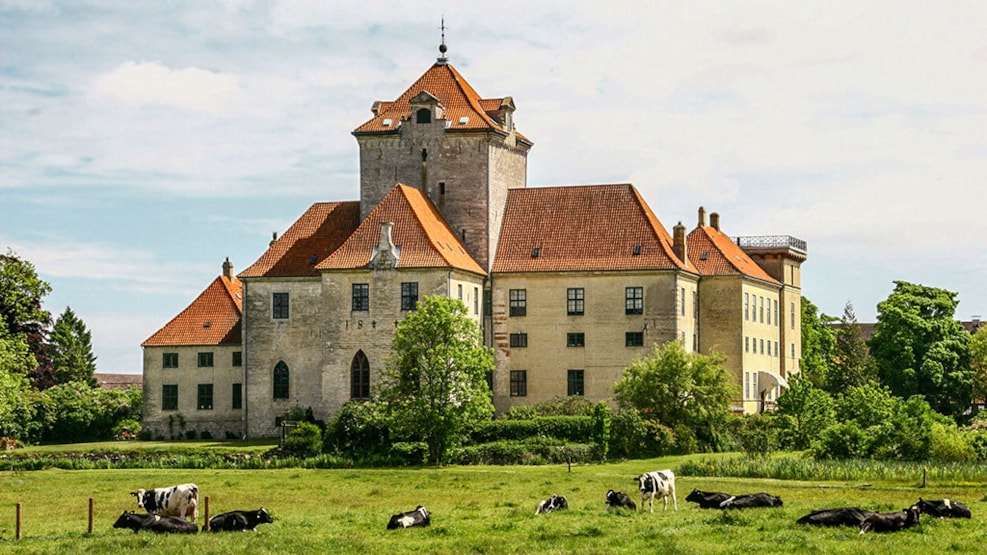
(570,284)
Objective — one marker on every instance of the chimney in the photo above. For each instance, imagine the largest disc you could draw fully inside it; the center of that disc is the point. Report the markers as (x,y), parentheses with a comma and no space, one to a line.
(702,217)
(274,237)
(228,269)
(386,244)
(714,220)
(679,246)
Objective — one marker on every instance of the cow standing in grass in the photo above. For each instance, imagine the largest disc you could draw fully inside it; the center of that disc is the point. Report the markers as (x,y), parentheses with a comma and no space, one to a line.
(181,501)
(660,483)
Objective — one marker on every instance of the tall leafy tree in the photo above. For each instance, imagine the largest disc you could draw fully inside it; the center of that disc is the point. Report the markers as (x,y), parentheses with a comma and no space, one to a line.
(686,392)
(71,350)
(818,344)
(434,382)
(852,364)
(920,349)
(21,293)
(804,411)
(978,363)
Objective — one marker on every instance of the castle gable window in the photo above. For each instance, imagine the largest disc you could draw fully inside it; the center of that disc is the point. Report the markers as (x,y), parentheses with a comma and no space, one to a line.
(518,302)
(169,397)
(423,115)
(360,377)
(361,297)
(279,306)
(281,380)
(634,300)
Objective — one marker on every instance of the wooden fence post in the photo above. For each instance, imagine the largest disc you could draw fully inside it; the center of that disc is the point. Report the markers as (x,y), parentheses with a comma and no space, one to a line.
(205,527)
(19,534)
(92,506)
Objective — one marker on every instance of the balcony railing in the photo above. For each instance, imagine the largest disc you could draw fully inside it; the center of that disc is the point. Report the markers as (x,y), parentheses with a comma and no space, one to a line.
(772,242)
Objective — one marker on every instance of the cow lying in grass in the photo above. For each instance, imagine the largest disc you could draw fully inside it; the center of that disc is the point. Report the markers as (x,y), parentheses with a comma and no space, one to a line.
(841,516)
(944,508)
(708,499)
(891,522)
(619,500)
(417,517)
(239,521)
(553,503)
(718,500)
(155,523)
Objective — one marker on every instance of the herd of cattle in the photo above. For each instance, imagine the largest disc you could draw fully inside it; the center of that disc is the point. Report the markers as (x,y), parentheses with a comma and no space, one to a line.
(168,508)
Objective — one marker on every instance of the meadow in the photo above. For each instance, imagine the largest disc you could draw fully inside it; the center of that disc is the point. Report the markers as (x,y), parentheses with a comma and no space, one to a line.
(482,509)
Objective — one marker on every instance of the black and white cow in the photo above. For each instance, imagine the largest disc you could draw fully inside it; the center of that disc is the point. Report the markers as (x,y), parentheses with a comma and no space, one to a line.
(618,500)
(943,508)
(841,516)
(891,522)
(155,523)
(239,521)
(417,517)
(553,503)
(708,499)
(750,501)
(660,483)
(181,501)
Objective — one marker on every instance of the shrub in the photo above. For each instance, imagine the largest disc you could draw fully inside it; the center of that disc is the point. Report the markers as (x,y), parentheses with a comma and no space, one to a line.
(571,428)
(359,429)
(950,445)
(842,441)
(412,453)
(629,436)
(757,437)
(601,428)
(304,441)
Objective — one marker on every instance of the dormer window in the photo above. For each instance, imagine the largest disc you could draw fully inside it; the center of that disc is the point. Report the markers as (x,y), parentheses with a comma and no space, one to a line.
(423,115)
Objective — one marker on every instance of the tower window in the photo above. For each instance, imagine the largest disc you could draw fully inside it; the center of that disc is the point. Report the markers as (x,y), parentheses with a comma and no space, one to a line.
(424,115)
(424,155)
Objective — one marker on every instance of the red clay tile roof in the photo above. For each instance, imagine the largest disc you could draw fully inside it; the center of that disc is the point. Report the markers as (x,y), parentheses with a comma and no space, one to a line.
(212,319)
(582,228)
(426,240)
(457,97)
(315,235)
(723,256)
(118,381)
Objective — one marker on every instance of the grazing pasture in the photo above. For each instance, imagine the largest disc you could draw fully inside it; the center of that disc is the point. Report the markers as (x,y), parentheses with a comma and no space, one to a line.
(473,510)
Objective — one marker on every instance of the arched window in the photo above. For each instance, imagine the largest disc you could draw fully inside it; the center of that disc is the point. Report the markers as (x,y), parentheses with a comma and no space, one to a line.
(281,380)
(360,377)
(423,115)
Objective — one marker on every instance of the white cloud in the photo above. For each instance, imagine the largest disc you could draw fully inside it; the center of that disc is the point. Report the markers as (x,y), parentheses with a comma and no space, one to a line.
(142,83)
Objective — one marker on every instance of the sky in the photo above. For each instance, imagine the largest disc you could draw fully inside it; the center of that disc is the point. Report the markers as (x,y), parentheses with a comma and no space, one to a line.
(142,143)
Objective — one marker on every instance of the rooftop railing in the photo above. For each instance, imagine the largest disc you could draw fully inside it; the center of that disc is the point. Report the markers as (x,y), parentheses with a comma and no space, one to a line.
(772,242)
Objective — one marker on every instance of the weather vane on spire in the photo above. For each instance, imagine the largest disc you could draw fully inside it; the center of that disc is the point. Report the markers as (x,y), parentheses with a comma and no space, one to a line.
(442,46)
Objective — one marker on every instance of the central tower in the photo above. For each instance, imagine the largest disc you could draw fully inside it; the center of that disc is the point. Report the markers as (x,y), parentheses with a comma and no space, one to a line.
(461,150)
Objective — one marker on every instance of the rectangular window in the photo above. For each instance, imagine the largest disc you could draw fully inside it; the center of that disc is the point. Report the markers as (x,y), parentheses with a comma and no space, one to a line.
(747,305)
(793,350)
(777,314)
(695,304)
(575,382)
(488,376)
(279,306)
(237,396)
(409,295)
(762,346)
(205,360)
(792,317)
(169,397)
(519,383)
(204,399)
(575,340)
(769,348)
(634,300)
(769,312)
(762,309)
(169,360)
(519,340)
(237,359)
(746,344)
(476,300)
(574,301)
(361,297)
(634,339)
(683,301)
(519,302)
(747,385)
(777,352)
(460,289)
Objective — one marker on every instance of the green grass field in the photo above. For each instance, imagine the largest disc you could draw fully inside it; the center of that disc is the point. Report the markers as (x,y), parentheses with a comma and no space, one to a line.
(474,510)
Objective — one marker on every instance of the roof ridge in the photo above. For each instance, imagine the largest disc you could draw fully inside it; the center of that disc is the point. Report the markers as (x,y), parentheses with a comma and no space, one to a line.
(235,305)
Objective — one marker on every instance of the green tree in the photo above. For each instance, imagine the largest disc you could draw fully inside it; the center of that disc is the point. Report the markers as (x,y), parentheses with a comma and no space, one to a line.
(21,293)
(978,363)
(852,364)
(803,412)
(434,382)
(920,349)
(71,350)
(818,344)
(689,393)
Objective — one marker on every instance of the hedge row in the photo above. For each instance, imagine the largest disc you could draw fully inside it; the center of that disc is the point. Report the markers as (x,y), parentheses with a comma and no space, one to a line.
(577,429)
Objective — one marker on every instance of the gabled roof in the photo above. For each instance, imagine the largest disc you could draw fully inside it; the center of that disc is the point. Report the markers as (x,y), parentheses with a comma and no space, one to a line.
(715,254)
(212,319)
(456,97)
(424,238)
(582,228)
(313,237)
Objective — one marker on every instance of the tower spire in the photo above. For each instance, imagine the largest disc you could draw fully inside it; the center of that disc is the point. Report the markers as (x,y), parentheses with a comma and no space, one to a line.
(442,59)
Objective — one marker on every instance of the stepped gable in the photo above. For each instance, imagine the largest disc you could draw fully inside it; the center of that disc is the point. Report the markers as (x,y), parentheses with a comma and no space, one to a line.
(457,98)
(582,228)
(715,254)
(425,240)
(313,237)
(212,319)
